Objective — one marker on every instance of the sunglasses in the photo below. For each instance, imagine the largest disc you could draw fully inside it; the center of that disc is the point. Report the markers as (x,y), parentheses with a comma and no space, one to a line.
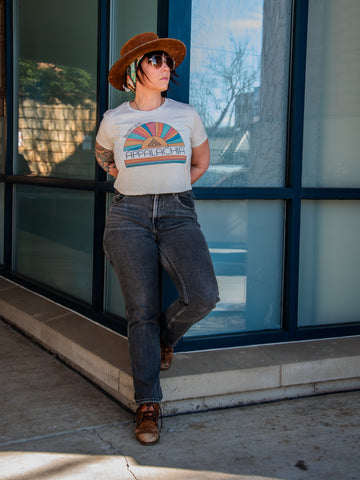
(157,61)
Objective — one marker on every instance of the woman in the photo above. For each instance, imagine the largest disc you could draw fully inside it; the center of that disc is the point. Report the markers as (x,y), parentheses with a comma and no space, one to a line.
(155,148)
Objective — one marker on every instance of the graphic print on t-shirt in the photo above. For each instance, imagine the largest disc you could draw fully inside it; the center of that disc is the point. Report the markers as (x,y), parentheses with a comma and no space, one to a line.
(154,143)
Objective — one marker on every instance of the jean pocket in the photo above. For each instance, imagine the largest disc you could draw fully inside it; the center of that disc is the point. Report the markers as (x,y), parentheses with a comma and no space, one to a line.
(118,197)
(186,199)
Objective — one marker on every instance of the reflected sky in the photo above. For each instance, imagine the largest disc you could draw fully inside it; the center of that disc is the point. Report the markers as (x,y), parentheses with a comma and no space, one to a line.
(225,43)
(239,75)
(211,34)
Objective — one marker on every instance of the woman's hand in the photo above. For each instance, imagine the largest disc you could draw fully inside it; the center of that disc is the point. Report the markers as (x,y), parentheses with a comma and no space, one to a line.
(105,159)
(200,159)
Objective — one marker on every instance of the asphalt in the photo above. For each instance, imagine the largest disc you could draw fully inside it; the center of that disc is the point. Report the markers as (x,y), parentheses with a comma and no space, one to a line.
(57,425)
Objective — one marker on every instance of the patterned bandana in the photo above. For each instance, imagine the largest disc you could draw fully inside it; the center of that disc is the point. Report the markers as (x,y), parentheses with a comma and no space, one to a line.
(131,75)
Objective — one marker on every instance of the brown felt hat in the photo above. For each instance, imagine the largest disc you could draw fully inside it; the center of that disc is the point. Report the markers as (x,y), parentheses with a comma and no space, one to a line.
(140,45)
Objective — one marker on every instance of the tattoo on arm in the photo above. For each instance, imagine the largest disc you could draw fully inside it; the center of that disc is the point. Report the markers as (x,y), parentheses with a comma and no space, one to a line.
(105,158)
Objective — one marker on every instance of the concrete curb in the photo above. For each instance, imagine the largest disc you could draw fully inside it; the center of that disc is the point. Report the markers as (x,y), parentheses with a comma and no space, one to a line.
(196,381)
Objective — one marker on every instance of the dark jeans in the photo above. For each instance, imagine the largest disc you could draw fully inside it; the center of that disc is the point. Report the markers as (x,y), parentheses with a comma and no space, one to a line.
(143,232)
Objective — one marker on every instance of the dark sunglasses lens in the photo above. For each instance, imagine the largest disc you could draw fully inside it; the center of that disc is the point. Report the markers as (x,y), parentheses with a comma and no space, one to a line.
(157,61)
(170,62)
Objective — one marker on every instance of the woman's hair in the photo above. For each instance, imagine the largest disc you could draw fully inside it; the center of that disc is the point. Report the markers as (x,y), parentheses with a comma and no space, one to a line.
(173,73)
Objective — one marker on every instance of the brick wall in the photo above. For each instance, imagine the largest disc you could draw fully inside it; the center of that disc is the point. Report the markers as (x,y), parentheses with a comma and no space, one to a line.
(56,139)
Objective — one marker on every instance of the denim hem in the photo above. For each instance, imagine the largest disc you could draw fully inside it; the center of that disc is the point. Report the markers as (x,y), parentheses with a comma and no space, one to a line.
(150,400)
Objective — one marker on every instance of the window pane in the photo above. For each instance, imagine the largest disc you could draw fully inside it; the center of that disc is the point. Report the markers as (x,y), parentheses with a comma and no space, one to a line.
(239,83)
(245,240)
(57,49)
(332,98)
(114,300)
(125,25)
(2,88)
(329,288)
(2,211)
(53,231)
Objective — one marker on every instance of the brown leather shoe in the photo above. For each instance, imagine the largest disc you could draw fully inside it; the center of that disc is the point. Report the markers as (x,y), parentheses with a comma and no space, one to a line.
(166,356)
(147,428)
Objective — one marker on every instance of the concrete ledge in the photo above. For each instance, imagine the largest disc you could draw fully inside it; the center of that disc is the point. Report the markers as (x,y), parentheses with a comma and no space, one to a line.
(196,381)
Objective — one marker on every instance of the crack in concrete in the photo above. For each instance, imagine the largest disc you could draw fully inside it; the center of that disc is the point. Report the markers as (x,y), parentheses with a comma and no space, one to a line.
(112,449)
(115,451)
(129,469)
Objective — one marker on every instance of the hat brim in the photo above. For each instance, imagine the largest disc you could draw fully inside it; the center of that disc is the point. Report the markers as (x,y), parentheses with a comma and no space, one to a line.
(174,48)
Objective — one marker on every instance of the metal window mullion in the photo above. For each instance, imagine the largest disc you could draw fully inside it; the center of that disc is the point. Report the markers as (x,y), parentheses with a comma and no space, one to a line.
(163,18)
(98,281)
(10,133)
(243,193)
(330,193)
(294,165)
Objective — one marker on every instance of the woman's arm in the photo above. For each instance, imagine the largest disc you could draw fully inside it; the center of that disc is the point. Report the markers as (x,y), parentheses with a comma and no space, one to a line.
(105,159)
(200,159)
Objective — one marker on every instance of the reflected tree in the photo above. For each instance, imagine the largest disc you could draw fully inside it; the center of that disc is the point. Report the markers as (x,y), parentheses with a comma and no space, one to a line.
(238,81)
(56,120)
(51,84)
(225,88)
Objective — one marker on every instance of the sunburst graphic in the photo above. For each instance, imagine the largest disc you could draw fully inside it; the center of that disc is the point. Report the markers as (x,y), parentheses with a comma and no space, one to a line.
(154,144)
(153,135)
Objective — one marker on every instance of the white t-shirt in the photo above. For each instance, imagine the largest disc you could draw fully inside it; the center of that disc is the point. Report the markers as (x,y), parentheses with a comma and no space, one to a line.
(152,150)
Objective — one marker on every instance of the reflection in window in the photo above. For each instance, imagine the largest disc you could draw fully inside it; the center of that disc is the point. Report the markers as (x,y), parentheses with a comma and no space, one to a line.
(2,210)
(114,300)
(238,83)
(2,122)
(332,95)
(2,88)
(123,26)
(56,88)
(54,238)
(245,241)
(329,288)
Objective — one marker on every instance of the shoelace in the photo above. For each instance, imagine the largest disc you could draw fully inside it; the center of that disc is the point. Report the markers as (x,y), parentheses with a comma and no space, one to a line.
(151,413)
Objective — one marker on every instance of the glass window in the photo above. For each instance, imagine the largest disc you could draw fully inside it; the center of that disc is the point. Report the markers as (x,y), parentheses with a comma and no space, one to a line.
(125,24)
(53,238)
(331,142)
(2,210)
(2,88)
(114,300)
(57,52)
(239,85)
(329,289)
(245,240)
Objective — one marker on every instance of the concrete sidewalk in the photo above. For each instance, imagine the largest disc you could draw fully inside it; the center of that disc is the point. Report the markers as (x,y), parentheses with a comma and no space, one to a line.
(56,425)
